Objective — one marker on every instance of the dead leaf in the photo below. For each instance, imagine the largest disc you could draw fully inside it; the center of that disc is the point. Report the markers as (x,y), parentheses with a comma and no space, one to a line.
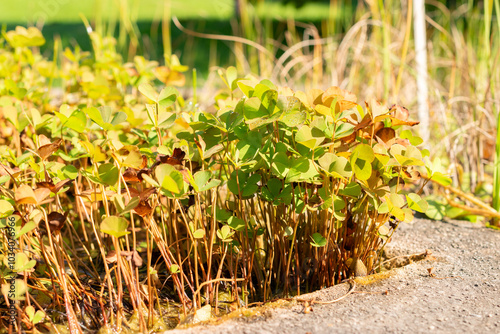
(400,112)
(146,193)
(137,259)
(43,140)
(133,256)
(46,150)
(133,175)
(144,162)
(346,99)
(413,176)
(366,121)
(176,158)
(396,122)
(111,257)
(25,195)
(130,175)
(386,136)
(143,209)
(7,171)
(56,221)
(53,188)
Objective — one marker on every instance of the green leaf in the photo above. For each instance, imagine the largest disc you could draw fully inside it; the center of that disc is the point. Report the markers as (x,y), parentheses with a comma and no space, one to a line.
(35,317)
(246,86)
(29,226)
(236,223)
(441,179)
(231,76)
(225,233)
(295,118)
(301,169)
(22,262)
(133,159)
(95,116)
(148,91)
(202,182)
(352,190)
(221,214)
(19,289)
(361,159)
(22,37)
(281,164)
(414,140)
(132,204)
(435,210)
(174,269)
(309,137)
(246,150)
(396,200)
(6,209)
(109,174)
(118,118)
(318,240)
(344,130)
(77,121)
(252,109)
(168,96)
(166,119)
(240,181)
(415,202)
(199,233)
(169,178)
(115,226)
(70,172)
(336,166)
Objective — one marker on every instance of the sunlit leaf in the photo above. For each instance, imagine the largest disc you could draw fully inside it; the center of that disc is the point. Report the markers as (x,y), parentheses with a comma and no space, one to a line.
(148,91)
(115,226)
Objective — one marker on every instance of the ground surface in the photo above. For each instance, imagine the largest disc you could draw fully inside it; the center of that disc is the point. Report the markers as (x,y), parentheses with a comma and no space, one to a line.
(415,302)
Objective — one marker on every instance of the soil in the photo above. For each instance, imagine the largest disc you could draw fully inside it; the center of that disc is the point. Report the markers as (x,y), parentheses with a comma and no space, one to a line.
(461,295)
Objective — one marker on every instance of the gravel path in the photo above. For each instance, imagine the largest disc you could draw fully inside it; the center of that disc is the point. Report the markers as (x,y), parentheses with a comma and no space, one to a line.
(466,300)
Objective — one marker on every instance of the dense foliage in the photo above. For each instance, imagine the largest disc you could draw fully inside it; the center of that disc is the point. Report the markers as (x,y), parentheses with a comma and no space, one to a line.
(126,195)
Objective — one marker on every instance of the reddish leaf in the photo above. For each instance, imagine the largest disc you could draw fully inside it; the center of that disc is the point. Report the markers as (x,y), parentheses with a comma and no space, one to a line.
(386,136)
(366,121)
(143,171)
(176,158)
(130,175)
(144,162)
(143,209)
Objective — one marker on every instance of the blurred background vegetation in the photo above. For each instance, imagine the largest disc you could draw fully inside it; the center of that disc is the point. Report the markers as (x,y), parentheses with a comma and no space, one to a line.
(366,47)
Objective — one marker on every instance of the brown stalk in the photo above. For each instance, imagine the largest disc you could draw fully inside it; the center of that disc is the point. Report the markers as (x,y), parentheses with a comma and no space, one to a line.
(469,197)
